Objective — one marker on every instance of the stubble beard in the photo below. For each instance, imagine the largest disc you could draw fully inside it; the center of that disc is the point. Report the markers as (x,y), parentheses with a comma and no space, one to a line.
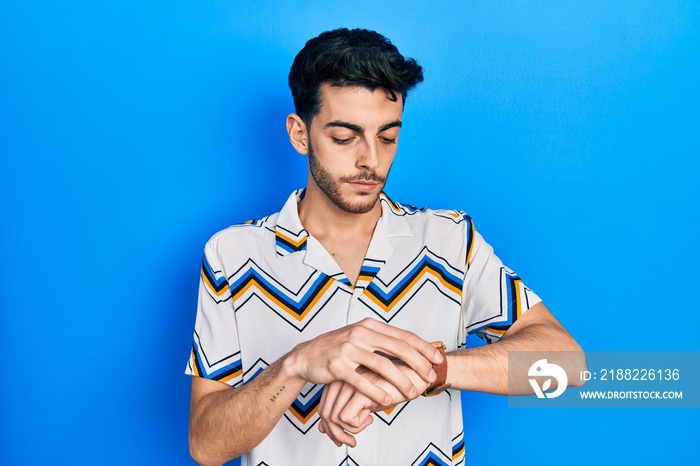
(331,187)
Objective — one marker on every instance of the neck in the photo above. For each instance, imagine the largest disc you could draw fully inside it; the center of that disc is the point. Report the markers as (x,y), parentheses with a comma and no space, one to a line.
(321,217)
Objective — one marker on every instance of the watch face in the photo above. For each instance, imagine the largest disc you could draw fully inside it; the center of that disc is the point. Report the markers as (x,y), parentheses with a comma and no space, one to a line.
(439,345)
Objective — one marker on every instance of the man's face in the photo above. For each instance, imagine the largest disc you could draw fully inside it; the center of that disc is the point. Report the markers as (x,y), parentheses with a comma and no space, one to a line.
(352,143)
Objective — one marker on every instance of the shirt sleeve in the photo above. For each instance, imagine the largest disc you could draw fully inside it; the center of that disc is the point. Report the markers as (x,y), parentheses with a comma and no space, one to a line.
(216,350)
(493,296)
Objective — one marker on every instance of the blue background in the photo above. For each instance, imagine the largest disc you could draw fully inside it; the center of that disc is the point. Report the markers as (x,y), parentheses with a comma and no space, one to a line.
(131,131)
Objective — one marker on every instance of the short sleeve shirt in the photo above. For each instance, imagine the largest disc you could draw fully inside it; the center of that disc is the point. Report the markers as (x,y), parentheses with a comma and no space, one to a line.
(269,285)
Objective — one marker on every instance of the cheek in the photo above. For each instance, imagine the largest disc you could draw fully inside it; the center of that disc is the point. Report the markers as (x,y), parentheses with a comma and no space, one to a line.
(333,161)
(339,156)
(387,156)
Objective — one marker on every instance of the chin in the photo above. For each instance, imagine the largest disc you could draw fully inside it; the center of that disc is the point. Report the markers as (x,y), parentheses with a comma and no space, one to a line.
(363,205)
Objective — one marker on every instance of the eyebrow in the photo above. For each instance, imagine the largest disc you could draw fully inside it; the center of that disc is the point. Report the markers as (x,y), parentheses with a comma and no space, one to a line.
(360,129)
(393,124)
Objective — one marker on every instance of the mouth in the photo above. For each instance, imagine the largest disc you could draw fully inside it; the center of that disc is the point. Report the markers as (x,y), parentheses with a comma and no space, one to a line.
(364,185)
(366,179)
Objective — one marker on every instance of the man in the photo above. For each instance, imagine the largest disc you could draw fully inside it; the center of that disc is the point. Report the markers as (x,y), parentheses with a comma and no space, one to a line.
(318,320)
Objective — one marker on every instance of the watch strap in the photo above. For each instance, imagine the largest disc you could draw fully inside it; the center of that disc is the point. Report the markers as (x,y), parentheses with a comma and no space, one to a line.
(439,385)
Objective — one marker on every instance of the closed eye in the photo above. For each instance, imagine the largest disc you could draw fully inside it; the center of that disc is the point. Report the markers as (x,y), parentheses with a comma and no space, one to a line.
(341,141)
(389,140)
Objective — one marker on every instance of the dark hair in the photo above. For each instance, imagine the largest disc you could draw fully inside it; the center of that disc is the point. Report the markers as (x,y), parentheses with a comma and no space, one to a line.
(343,57)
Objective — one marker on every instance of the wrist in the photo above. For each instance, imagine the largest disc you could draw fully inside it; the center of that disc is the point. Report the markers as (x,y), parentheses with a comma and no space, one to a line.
(291,367)
(440,384)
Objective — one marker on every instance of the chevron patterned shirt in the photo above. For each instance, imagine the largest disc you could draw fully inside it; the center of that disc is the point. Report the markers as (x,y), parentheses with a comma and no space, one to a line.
(268,285)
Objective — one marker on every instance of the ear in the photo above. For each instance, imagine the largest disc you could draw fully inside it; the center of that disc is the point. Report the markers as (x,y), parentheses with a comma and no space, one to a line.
(298,133)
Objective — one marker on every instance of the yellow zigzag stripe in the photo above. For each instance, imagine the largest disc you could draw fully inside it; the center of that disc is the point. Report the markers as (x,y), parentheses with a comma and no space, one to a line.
(210,285)
(409,287)
(280,304)
(290,240)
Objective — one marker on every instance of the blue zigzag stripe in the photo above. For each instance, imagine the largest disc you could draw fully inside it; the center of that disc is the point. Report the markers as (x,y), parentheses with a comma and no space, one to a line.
(304,409)
(297,307)
(425,262)
(369,271)
(218,374)
(513,298)
(217,284)
(289,247)
(470,236)
(457,448)
(432,460)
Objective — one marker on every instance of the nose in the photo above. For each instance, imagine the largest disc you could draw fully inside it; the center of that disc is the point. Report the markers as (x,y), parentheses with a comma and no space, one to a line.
(369,157)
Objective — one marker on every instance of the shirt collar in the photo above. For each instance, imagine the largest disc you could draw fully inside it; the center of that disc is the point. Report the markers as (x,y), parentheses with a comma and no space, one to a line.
(291,237)
(394,217)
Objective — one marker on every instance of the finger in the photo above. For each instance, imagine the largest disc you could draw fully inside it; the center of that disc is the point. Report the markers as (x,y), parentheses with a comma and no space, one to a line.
(343,396)
(367,420)
(359,422)
(322,401)
(323,428)
(339,435)
(388,371)
(355,412)
(371,391)
(329,399)
(423,347)
(420,362)
(325,405)
(402,344)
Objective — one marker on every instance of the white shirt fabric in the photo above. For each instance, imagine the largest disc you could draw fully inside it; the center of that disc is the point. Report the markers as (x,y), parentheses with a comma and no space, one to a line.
(268,285)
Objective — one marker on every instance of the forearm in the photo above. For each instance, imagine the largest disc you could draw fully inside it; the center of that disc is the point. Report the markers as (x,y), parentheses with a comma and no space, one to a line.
(225,423)
(485,368)
(228,423)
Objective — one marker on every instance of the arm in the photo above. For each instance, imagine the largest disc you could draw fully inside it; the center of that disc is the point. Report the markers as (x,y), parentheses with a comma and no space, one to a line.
(485,368)
(225,422)
(345,412)
(487,286)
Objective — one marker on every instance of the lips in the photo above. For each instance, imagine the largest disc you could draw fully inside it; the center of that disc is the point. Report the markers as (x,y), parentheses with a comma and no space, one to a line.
(364,185)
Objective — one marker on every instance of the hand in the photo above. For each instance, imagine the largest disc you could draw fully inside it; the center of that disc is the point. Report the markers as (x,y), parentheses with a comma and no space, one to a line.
(338,420)
(345,411)
(336,356)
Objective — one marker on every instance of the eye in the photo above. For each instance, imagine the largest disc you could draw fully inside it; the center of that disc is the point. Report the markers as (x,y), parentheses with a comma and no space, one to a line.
(341,142)
(389,140)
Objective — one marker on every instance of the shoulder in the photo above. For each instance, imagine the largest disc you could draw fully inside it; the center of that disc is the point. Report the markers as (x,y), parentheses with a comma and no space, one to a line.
(446,232)
(240,235)
(426,215)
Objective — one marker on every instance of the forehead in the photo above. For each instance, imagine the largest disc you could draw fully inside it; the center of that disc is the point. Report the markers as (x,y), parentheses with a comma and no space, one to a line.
(359,105)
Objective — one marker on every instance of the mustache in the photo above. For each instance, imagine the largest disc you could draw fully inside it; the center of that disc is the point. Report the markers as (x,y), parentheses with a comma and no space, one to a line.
(364,177)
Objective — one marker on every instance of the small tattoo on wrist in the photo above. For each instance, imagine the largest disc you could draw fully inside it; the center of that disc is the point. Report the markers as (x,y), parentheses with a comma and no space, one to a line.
(274,397)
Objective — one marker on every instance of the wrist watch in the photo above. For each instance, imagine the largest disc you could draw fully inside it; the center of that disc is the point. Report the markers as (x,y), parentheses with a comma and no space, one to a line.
(439,385)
